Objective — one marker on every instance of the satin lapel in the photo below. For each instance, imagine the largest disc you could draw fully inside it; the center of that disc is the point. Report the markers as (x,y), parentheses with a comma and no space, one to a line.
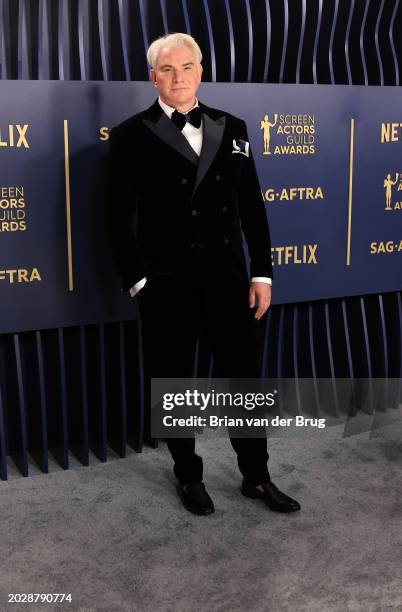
(166,130)
(211,141)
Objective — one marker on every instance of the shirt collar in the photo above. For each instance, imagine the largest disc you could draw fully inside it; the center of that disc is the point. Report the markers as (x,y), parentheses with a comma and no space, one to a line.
(169,109)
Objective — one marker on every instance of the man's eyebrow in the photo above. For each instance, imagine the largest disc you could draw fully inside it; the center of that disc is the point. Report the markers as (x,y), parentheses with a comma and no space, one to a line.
(170,65)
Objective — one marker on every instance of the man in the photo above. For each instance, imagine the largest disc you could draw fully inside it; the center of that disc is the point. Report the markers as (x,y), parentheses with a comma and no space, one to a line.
(186,188)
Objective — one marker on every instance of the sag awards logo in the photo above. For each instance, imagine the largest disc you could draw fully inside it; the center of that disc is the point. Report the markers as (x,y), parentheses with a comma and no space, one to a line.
(12,219)
(389,184)
(290,134)
(12,209)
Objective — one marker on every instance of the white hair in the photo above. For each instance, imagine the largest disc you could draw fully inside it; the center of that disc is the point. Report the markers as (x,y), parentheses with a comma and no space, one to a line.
(172,40)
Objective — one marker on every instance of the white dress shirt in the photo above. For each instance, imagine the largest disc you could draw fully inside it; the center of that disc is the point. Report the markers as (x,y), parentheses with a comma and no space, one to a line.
(194,137)
(193,134)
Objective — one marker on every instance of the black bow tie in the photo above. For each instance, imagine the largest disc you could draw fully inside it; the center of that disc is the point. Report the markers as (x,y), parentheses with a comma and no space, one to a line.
(194,117)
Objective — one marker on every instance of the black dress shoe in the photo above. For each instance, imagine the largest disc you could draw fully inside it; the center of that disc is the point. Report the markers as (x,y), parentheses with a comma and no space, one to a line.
(275,499)
(195,498)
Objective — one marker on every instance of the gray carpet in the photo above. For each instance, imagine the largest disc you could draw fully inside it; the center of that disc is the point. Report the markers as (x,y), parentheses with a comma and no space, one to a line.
(117,538)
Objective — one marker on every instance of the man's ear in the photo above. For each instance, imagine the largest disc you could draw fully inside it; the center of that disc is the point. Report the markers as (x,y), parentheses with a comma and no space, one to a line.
(152,75)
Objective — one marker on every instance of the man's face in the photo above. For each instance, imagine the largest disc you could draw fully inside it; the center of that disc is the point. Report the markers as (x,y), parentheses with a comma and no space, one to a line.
(177,76)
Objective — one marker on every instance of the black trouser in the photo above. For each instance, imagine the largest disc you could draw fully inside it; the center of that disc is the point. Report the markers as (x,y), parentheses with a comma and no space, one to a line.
(173,315)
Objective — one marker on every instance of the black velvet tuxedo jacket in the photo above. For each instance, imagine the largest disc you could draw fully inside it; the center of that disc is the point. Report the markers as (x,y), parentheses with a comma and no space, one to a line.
(169,209)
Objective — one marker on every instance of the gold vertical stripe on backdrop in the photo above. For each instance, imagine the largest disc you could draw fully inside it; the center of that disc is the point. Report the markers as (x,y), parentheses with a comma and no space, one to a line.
(68,207)
(352,139)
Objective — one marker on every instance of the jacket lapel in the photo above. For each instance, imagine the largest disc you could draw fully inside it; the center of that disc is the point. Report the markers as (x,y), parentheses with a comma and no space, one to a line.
(160,124)
(211,141)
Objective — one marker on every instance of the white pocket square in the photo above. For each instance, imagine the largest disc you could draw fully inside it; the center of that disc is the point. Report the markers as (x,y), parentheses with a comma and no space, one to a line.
(241,146)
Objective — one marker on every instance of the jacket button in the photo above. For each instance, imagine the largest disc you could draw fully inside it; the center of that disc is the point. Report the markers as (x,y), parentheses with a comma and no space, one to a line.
(184,181)
(194,212)
(218,177)
(224,209)
(226,241)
